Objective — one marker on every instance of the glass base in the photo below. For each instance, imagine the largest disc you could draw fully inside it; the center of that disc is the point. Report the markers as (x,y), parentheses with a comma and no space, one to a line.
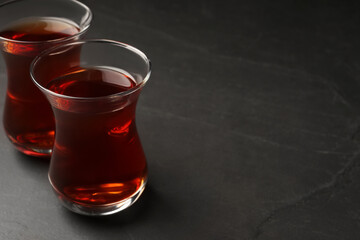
(98,210)
(31,150)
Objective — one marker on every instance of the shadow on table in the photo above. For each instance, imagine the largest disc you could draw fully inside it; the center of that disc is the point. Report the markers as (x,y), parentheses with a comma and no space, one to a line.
(32,165)
(150,205)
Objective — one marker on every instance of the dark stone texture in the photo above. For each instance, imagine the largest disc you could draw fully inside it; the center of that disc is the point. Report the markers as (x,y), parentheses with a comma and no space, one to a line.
(250,123)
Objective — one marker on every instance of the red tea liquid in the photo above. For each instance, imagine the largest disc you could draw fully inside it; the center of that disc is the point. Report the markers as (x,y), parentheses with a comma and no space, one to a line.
(28,119)
(97,157)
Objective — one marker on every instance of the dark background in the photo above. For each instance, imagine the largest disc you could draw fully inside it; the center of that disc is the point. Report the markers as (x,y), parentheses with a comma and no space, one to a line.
(250,123)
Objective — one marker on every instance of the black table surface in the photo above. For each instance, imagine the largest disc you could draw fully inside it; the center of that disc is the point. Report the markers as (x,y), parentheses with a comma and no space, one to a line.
(250,123)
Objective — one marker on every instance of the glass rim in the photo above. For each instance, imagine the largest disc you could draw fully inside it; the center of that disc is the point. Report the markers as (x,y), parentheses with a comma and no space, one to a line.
(63,39)
(82,42)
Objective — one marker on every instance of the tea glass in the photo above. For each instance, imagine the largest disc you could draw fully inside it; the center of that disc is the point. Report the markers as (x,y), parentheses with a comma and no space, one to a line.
(24,33)
(98,165)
